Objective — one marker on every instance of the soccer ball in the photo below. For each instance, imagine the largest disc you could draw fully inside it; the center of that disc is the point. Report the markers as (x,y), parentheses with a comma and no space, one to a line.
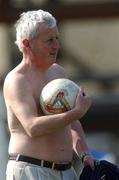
(58,96)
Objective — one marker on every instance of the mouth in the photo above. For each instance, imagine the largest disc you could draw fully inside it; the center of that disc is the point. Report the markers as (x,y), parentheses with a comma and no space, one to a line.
(54,54)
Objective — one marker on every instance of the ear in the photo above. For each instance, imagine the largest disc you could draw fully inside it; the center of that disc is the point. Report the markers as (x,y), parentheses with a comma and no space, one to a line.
(26,43)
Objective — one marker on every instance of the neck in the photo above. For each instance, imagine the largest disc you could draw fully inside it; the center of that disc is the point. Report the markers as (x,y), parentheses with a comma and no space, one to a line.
(35,62)
(34,65)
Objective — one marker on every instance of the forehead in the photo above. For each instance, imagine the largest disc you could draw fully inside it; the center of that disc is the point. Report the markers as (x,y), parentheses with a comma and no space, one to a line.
(47,31)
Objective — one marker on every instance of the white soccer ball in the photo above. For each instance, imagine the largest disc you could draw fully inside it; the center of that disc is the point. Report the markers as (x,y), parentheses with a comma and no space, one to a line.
(58,96)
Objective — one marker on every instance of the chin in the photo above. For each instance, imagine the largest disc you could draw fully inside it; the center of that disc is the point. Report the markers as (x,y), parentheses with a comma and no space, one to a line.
(53,60)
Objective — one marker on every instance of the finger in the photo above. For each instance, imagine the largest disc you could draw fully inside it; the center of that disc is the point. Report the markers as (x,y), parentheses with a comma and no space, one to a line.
(82,91)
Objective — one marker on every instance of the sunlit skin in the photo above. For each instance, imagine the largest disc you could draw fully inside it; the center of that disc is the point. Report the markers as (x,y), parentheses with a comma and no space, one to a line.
(32,133)
(44,48)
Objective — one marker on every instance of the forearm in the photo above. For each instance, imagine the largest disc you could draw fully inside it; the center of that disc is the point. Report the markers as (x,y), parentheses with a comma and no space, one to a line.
(80,145)
(50,123)
(79,140)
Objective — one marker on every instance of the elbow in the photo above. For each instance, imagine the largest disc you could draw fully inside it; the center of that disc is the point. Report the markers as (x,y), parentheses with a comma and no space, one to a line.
(30,134)
(31,131)
(34,131)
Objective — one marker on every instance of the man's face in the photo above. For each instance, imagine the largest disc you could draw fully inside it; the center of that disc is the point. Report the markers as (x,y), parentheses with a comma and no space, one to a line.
(45,47)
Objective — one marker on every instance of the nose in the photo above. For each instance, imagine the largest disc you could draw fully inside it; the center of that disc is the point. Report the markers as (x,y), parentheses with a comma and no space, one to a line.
(56,44)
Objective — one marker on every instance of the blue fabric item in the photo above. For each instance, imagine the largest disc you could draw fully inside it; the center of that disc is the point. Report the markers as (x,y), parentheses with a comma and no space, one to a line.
(104,170)
(99,155)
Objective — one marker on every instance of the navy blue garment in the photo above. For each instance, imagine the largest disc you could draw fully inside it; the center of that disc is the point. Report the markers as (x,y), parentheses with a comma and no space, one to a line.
(104,170)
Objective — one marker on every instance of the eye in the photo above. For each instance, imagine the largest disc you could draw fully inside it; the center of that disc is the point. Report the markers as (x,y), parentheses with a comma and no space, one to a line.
(53,39)
(57,37)
(50,40)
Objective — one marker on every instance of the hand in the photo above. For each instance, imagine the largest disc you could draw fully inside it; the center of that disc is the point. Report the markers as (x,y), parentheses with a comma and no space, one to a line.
(89,161)
(83,102)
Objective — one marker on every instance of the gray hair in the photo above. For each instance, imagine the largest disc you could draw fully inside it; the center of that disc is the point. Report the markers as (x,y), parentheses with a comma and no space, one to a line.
(28,23)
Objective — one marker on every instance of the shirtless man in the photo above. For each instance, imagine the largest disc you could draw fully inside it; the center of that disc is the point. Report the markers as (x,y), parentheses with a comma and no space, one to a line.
(41,147)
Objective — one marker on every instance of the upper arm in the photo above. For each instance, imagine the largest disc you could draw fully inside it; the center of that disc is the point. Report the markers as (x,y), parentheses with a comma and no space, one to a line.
(59,71)
(18,97)
(76,125)
(77,130)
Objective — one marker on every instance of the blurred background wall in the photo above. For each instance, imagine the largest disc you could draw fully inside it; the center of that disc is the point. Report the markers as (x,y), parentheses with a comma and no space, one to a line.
(89,35)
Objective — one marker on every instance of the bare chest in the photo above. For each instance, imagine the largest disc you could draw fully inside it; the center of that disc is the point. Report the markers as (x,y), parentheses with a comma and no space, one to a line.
(37,86)
(38,83)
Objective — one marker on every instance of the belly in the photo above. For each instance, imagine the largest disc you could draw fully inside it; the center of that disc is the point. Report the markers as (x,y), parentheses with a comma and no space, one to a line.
(53,147)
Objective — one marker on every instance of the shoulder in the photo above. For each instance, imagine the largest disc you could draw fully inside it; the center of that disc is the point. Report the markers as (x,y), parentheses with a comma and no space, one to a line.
(59,70)
(13,83)
(13,78)
(57,66)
